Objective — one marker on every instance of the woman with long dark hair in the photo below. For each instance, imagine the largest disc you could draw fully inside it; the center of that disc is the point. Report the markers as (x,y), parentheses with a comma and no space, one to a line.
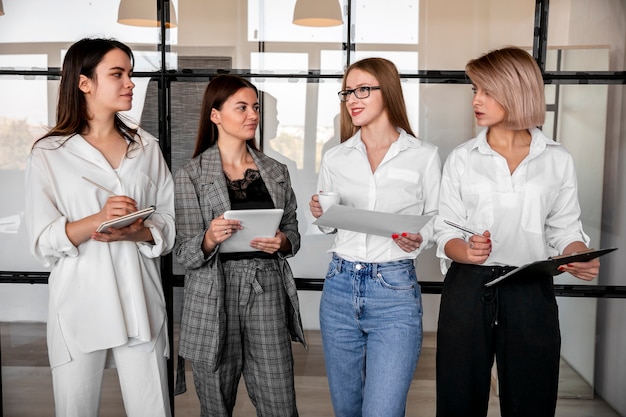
(105,287)
(240,309)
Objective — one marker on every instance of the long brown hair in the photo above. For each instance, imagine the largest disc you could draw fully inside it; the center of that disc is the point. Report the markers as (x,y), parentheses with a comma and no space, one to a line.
(82,58)
(388,78)
(220,89)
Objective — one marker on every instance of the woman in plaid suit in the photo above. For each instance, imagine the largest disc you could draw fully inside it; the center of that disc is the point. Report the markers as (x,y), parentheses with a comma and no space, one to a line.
(240,310)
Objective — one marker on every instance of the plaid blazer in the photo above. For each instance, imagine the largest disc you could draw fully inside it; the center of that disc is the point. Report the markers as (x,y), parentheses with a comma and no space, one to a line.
(200,196)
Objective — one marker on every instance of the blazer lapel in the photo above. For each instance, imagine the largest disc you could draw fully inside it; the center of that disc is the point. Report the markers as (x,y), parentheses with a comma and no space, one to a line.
(273,178)
(214,186)
(213,182)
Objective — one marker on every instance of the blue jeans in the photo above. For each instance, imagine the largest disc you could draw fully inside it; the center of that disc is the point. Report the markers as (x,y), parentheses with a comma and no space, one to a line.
(371,325)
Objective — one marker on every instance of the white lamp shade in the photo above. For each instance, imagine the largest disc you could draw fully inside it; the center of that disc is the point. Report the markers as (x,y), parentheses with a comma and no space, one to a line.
(143,13)
(320,13)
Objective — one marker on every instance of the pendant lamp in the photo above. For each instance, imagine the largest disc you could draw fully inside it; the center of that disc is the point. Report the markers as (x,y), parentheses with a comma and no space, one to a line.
(318,13)
(143,13)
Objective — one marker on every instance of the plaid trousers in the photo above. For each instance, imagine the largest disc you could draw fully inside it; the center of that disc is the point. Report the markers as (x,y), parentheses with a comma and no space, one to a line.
(257,345)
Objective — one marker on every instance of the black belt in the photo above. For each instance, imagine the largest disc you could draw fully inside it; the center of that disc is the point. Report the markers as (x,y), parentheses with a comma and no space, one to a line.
(234,256)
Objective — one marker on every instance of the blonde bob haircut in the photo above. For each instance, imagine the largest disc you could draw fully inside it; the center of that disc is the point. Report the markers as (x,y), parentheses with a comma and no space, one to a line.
(512,77)
(388,79)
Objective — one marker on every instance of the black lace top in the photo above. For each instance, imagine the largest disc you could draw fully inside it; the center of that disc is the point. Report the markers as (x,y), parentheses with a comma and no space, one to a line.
(248,193)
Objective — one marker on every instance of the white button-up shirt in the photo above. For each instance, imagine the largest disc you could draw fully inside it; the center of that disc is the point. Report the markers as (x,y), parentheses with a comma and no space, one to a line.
(101,294)
(406,182)
(532,213)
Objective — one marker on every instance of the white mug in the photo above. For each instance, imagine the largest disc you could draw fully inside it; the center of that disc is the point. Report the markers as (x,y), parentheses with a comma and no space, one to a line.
(327,199)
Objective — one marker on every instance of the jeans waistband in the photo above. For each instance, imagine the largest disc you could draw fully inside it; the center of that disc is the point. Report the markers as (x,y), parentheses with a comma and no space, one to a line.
(374,267)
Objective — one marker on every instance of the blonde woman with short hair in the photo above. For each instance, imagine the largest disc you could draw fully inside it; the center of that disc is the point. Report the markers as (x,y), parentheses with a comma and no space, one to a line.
(518,188)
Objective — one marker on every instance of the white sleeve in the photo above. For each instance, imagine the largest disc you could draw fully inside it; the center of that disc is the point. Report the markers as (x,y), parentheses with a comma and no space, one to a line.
(45,224)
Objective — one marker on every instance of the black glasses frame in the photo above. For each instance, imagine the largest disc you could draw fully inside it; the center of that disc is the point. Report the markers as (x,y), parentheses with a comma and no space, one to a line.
(359,92)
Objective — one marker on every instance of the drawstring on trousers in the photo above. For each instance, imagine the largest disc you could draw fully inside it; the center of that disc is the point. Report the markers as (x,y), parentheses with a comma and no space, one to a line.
(491,294)
(491,297)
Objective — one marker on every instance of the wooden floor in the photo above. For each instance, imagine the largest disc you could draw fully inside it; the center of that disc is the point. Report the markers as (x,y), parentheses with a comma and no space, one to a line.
(27,389)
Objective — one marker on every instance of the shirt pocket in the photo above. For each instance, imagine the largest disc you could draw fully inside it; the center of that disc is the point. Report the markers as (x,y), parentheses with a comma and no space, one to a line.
(537,201)
(143,190)
(408,182)
(479,203)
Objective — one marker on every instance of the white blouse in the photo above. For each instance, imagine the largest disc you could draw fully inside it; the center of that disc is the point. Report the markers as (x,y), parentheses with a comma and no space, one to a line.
(406,182)
(101,294)
(532,213)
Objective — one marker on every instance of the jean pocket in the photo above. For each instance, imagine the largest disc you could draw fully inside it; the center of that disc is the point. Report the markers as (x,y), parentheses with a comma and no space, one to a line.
(399,280)
(333,269)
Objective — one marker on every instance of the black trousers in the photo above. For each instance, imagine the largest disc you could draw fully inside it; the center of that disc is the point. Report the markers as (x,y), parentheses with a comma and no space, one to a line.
(517,322)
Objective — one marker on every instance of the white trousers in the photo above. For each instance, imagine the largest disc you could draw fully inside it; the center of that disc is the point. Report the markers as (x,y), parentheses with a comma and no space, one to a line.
(142,375)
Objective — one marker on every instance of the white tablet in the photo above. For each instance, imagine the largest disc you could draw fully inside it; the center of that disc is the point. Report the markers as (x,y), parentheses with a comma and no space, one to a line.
(123,221)
(255,223)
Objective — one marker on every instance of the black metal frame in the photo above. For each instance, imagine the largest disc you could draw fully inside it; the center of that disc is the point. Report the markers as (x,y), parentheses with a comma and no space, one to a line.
(316,284)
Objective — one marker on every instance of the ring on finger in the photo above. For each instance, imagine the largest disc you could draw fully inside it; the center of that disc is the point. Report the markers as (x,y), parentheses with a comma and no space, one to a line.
(225,231)
(471,245)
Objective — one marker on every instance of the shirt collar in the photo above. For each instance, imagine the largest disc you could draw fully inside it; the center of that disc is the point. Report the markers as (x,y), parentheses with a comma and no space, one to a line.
(404,141)
(142,134)
(538,142)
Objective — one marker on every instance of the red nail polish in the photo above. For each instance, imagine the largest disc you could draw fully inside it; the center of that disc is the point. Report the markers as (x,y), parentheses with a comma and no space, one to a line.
(403,234)
(560,268)
(395,236)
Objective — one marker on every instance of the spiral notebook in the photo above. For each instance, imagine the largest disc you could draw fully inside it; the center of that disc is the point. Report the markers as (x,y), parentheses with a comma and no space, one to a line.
(123,221)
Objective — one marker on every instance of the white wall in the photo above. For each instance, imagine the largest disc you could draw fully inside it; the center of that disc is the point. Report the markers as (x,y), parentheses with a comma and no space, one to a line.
(23,302)
(592,22)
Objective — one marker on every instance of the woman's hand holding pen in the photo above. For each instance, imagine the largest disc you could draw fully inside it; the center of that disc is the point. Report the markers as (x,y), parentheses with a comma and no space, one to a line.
(478,248)
(80,231)
(408,242)
(117,206)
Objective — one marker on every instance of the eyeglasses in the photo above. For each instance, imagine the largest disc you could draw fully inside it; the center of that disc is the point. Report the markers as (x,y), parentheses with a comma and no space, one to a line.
(359,92)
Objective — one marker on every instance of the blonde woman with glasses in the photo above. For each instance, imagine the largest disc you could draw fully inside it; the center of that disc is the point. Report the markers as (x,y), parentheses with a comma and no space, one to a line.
(371,308)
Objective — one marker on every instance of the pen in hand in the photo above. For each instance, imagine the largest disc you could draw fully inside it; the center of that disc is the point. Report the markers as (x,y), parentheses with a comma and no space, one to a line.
(466,230)
(111,193)
(100,186)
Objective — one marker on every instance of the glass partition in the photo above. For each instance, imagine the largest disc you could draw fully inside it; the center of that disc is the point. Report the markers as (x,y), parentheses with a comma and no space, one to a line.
(24,103)
(588,25)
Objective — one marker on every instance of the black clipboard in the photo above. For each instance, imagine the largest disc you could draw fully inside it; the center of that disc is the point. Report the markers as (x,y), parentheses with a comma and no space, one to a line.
(124,221)
(551,265)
